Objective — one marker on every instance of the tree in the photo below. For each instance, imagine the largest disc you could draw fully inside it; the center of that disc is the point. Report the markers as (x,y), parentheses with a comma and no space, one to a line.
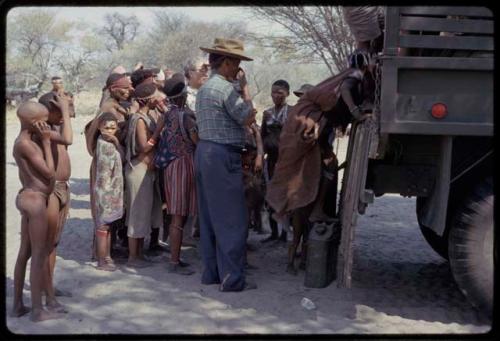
(33,39)
(119,30)
(311,34)
(80,64)
(177,38)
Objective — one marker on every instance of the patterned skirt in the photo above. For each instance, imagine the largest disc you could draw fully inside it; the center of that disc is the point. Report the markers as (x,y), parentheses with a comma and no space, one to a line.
(180,187)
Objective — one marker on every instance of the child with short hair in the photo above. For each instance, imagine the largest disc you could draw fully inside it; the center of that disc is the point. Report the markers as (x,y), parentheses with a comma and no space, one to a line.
(108,187)
(33,155)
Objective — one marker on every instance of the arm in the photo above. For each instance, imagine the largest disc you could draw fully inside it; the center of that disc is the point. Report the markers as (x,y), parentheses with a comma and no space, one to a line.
(346,92)
(66,135)
(114,140)
(44,166)
(238,109)
(259,160)
(90,134)
(141,135)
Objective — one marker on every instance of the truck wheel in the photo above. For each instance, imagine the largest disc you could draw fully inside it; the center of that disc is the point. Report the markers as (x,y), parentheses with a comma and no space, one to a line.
(436,242)
(471,247)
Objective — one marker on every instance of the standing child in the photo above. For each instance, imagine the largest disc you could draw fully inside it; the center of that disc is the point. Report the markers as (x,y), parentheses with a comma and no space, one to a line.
(178,140)
(108,187)
(33,155)
(61,109)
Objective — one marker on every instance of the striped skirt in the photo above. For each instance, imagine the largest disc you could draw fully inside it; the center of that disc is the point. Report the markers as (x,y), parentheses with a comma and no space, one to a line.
(180,187)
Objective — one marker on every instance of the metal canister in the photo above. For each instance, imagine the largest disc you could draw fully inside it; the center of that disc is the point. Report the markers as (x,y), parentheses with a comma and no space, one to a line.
(322,249)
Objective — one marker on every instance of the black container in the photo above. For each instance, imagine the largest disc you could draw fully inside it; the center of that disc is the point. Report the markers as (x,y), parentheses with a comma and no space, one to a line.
(322,249)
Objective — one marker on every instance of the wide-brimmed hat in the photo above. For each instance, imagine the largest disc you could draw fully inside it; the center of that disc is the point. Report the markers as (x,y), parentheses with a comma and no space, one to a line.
(227,47)
(174,86)
(302,89)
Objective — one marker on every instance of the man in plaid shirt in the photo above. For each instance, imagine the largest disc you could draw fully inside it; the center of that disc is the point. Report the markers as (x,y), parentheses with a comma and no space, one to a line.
(222,113)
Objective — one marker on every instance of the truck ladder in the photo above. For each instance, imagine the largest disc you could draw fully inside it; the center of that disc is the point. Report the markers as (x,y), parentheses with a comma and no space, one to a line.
(353,196)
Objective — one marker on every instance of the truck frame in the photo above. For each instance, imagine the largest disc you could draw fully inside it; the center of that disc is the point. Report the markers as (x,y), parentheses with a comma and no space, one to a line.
(431,137)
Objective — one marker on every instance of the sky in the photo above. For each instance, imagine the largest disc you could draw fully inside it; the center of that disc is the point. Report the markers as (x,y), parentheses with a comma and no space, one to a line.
(96,15)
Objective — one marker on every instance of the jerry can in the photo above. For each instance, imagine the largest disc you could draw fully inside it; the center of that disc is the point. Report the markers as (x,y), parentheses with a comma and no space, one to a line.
(321,258)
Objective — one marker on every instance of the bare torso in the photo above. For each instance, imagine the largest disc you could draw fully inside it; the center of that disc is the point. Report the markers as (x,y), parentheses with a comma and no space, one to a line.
(30,179)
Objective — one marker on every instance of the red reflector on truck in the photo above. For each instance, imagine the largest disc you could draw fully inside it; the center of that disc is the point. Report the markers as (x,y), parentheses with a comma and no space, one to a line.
(439,110)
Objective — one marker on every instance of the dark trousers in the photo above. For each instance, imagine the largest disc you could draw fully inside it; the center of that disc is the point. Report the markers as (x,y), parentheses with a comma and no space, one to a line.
(222,214)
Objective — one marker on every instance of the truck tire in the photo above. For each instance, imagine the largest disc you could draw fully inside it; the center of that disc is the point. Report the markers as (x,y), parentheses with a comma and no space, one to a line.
(436,242)
(471,247)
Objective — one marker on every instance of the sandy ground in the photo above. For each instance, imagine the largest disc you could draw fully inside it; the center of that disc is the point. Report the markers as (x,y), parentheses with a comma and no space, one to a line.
(399,284)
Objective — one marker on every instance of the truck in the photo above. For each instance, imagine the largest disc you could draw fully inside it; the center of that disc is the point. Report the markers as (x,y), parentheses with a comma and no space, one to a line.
(430,136)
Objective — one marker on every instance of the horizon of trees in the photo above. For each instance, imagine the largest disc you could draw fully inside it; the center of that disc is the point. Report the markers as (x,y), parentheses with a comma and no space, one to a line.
(40,45)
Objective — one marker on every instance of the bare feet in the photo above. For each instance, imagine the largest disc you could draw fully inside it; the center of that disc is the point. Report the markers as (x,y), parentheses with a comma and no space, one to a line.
(19,311)
(38,315)
(104,265)
(56,307)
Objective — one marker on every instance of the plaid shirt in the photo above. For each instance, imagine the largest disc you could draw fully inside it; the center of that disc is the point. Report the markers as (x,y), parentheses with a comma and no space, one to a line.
(220,112)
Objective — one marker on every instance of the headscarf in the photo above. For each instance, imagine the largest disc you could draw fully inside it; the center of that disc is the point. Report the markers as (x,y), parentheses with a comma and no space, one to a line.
(119,83)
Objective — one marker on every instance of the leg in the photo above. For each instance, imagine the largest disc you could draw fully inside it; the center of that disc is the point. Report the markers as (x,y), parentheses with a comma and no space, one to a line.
(53,219)
(292,248)
(210,274)
(135,253)
(318,213)
(103,249)
(305,237)
(56,218)
(274,228)
(166,224)
(153,238)
(38,233)
(175,232)
(175,246)
(224,193)
(18,308)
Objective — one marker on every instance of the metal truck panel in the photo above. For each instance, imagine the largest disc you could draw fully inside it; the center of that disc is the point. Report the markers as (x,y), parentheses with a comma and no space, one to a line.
(411,85)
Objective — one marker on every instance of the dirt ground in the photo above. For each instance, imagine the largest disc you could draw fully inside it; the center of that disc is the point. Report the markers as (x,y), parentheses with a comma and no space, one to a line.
(399,284)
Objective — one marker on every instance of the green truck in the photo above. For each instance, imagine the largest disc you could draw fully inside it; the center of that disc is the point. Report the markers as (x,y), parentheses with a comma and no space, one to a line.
(431,137)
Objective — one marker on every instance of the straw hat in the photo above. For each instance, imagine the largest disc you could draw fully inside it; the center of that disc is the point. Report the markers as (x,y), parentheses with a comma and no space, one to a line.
(227,47)
(302,89)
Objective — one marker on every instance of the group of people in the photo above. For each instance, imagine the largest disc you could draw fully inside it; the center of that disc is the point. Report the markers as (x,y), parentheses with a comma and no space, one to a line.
(166,148)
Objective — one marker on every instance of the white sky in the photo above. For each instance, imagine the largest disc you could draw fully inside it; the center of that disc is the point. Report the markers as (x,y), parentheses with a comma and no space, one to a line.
(95,15)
